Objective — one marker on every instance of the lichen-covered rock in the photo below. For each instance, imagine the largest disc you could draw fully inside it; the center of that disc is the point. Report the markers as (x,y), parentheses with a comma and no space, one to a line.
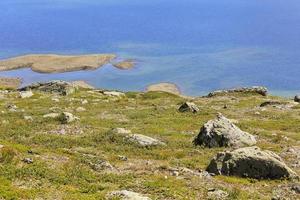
(59,87)
(66,117)
(245,90)
(127,195)
(221,132)
(143,140)
(189,107)
(250,162)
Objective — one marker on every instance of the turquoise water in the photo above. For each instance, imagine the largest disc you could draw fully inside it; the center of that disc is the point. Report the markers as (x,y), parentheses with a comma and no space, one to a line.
(201,45)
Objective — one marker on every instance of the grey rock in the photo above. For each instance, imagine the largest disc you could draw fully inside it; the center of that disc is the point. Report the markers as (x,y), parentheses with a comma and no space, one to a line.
(127,195)
(143,140)
(217,194)
(121,131)
(271,103)
(296,188)
(250,162)
(189,107)
(114,93)
(80,109)
(59,87)
(25,94)
(51,115)
(28,160)
(28,118)
(245,90)
(66,117)
(12,108)
(221,132)
(297,98)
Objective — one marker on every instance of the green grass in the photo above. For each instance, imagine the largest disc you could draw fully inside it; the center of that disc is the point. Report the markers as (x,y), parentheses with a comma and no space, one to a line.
(62,163)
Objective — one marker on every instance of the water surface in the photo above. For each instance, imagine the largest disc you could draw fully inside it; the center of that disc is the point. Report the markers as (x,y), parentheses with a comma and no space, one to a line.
(201,45)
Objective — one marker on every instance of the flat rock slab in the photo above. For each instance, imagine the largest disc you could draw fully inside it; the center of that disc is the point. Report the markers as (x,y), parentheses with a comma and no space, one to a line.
(250,162)
(221,132)
(127,195)
(244,90)
(143,140)
(25,94)
(52,63)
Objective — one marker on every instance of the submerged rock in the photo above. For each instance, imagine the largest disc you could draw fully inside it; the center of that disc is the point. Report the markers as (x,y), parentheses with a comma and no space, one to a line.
(59,87)
(221,132)
(189,107)
(245,90)
(250,162)
(127,195)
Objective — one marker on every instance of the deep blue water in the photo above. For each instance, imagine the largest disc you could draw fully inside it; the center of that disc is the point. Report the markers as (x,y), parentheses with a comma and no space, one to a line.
(201,45)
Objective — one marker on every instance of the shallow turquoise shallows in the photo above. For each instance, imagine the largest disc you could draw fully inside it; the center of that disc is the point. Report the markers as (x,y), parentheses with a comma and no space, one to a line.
(201,45)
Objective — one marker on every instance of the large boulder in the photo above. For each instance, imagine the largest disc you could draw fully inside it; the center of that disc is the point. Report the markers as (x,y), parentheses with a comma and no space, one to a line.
(244,90)
(250,162)
(25,94)
(57,86)
(221,132)
(189,107)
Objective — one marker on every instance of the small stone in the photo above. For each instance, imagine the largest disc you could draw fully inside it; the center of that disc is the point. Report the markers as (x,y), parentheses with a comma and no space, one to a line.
(217,194)
(51,115)
(25,94)
(11,107)
(114,93)
(127,195)
(121,131)
(80,109)
(28,118)
(55,99)
(83,102)
(189,107)
(66,117)
(122,158)
(28,160)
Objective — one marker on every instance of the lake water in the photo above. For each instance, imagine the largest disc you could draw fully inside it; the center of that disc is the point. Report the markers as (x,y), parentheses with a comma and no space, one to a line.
(201,45)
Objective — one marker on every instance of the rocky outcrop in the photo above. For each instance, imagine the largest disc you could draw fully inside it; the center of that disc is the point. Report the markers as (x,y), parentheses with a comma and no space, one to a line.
(127,195)
(59,87)
(244,90)
(250,162)
(189,107)
(82,84)
(221,132)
